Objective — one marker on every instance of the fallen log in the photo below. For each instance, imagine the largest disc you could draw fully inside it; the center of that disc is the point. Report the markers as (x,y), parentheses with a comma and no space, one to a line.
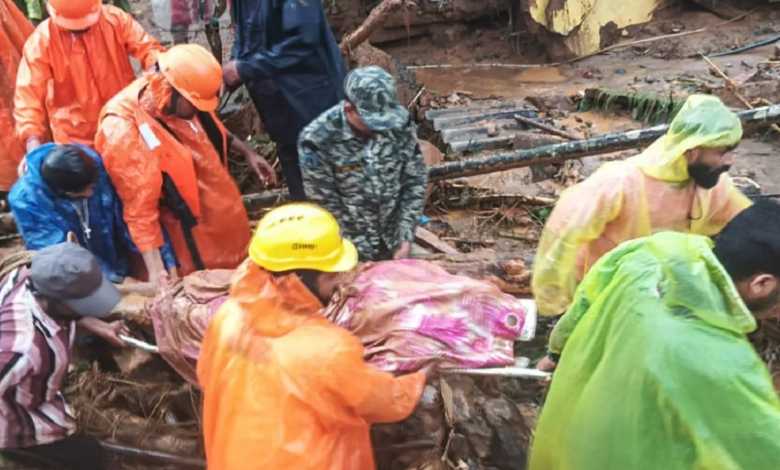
(544,127)
(510,271)
(429,240)
(554,153)
(374,21)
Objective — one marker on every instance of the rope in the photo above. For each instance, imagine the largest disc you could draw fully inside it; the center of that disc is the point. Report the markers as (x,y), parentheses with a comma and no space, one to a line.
(14,261)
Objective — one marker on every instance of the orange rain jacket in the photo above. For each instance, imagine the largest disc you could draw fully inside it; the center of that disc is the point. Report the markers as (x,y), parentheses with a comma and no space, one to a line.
(65,78)
(14,30)
(136,149)
(285,389)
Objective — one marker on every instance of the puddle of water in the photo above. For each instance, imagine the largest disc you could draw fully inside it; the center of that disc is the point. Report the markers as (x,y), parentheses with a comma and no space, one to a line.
(602,123)
(542,75)
(483,81)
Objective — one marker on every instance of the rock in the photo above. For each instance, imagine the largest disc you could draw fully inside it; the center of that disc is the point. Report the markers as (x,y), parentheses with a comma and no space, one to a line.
(480,427)
(552,101)
(449,36)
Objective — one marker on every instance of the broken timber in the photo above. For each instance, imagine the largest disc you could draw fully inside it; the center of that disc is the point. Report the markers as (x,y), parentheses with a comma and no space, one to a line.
(427,239)
(547,154)
(509,271)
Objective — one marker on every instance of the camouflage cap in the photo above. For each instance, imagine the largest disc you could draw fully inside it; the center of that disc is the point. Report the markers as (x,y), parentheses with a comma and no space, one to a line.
(372,91)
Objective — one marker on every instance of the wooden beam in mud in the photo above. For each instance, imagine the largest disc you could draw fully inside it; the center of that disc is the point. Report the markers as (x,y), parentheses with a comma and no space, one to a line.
(427,239)
(372,23)
(510,271)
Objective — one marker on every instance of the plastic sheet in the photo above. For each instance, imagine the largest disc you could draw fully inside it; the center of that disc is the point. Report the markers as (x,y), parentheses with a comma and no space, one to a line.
(656,370)
(14,31)
(181,314)
(65,79)
(636,198)
(222,233)
(273,370)
(409,313)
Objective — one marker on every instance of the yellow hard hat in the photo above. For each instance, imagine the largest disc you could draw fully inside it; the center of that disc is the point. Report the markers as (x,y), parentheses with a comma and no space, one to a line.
(301,236)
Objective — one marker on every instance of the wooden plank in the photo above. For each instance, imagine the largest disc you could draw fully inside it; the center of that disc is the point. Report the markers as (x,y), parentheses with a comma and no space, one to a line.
(510,271)
(427,239)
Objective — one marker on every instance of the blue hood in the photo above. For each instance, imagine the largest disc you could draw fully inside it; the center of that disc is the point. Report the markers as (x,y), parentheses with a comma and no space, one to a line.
(44,218)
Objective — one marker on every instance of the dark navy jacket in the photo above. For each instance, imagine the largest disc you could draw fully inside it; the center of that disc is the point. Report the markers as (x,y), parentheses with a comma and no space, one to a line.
(44,218)
(289,61)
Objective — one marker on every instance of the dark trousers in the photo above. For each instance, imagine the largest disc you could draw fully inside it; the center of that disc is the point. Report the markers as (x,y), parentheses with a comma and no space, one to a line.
(288,157)
(77,452)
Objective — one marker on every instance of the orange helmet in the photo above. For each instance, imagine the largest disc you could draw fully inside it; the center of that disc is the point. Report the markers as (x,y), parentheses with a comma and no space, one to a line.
(195,73)
(75,15)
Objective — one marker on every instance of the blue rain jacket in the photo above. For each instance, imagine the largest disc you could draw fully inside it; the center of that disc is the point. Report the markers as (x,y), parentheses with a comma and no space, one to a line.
(290,62)
(45,218)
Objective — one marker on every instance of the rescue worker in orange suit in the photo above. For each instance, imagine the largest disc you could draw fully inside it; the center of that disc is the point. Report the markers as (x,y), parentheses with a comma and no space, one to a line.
(277,374)
(14,30)
(166,153)
(73,63)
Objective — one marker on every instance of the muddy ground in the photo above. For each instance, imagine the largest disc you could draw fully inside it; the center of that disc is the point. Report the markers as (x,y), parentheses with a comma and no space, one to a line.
(668,67)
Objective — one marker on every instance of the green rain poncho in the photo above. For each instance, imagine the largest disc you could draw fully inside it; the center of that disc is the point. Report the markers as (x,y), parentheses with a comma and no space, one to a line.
(656,372)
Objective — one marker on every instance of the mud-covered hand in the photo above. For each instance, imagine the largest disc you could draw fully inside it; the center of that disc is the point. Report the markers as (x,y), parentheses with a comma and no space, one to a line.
(264,171)
(108,331)
(404,251)
(230,75)
(546,365)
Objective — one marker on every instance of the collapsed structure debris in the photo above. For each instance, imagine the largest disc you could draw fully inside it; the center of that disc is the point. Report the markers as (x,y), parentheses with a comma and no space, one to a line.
(572,28)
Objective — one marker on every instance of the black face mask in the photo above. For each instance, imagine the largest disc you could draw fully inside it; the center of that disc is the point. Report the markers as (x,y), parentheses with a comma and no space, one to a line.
(704,176)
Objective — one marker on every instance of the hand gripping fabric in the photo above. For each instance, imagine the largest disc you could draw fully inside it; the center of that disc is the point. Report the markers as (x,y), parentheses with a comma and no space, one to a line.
(656,370)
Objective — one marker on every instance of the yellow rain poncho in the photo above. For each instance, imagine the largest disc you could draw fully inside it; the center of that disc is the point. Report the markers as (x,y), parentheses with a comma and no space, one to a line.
(657,372)
(636,198)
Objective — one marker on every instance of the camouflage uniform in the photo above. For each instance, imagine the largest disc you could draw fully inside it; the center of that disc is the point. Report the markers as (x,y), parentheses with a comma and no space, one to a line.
(374,187)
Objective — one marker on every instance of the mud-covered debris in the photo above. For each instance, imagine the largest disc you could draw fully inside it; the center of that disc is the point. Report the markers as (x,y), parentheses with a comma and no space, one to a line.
(471,422)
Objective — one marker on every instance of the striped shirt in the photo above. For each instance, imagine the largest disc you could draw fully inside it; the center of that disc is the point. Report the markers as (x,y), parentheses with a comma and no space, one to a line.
(34,357)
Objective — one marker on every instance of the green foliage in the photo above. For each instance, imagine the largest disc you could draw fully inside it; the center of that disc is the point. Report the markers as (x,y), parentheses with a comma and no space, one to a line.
(646,108)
